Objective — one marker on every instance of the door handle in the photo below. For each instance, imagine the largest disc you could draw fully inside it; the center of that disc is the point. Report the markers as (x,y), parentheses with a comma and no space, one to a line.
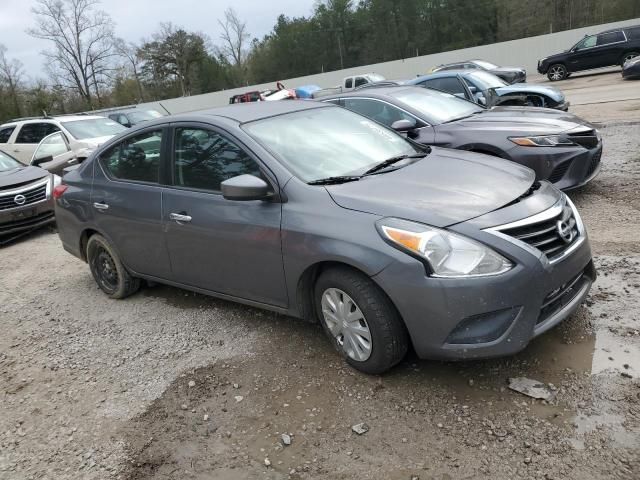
(72,161)
(100,206)
(180,218)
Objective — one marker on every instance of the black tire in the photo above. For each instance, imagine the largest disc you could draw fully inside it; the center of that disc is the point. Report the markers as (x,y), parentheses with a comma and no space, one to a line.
(107,269)
(557,72)
(389,338)
(628,56)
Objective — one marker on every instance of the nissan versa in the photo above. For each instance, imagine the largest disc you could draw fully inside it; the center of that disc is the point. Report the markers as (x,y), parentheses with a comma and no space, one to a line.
(316,212)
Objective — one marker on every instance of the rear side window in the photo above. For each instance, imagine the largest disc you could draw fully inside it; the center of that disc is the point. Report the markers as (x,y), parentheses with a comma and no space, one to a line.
(5,134)
(448,84)
(611,37)
(204,159)
(34,132)
(135,159)
(633,33)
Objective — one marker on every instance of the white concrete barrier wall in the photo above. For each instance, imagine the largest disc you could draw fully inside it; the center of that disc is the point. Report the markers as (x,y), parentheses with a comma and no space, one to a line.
(524,52)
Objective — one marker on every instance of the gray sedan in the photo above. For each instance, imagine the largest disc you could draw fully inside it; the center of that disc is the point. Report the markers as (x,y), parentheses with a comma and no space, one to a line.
(313,211)
(559,146)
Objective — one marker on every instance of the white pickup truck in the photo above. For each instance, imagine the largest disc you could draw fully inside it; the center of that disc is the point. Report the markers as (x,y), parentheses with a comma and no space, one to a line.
(349,83)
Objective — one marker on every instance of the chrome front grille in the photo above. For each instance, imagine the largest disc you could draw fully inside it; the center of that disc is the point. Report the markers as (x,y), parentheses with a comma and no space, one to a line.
(28,195)
(553,232)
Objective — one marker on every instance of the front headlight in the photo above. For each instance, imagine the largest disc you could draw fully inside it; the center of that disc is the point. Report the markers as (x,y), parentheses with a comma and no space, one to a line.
(57,180)
(542,141)
(447,254)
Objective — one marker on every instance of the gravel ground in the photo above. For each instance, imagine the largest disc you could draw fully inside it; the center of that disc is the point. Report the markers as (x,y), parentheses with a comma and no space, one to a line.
(169,384)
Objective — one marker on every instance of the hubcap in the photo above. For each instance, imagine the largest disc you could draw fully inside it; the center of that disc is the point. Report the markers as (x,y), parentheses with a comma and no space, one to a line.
(106,269)
(347,324)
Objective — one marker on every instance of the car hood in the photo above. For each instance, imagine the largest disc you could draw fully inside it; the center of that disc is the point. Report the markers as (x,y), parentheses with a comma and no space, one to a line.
(522,120)
(93,143)
(21,175)
(521,88)
(444,188)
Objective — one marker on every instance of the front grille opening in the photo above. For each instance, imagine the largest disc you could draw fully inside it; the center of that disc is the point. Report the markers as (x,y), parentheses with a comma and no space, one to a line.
(483,328)
(593,165)
(25,222)
(561,296)
(33,195)
(559,171)
(552,236)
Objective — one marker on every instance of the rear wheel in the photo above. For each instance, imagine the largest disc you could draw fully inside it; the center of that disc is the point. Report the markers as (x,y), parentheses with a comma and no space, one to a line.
(627,57)
(107,269)
(557,72)
(361,321)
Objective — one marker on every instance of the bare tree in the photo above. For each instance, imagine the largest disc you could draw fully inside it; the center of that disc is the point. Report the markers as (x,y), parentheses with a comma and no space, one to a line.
(83,44)
(129,51)
(11,74)
(234,37)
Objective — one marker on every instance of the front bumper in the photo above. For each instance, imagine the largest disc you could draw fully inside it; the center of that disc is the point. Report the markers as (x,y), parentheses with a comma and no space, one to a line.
(490,316)
(20,220)
(566,167)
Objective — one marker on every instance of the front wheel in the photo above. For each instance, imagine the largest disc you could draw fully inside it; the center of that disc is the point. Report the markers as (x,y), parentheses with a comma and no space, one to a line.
(557,72)
(363,324)
(107,269)
(627,57)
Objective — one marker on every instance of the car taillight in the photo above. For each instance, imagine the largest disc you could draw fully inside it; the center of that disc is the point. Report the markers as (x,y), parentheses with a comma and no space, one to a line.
(59,190)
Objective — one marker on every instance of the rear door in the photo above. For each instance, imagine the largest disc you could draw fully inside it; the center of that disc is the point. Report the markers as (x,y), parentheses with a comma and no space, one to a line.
(27,138)
(610,47)
(225,246)
(126,200)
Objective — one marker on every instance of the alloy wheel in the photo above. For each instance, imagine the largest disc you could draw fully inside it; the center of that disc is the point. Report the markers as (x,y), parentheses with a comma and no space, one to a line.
(629,57)
(557,72)
(347,324)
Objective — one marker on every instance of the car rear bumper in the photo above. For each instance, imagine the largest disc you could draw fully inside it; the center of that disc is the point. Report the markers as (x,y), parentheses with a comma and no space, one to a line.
(488,317)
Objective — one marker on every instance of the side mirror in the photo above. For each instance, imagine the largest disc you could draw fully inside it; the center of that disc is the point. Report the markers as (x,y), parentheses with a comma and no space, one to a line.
(245,187)
(39,161)
(403,125)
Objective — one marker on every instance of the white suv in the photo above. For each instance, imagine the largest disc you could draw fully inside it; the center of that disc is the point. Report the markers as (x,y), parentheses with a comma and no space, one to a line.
(20,138)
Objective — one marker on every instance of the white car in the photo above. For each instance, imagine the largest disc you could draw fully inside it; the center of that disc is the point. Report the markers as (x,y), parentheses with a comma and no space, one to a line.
(83,133)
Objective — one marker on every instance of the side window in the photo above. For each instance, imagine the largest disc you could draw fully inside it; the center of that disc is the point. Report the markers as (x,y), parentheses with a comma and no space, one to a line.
(587,42)
(34,132)
(379,111)
(53,145)
(348,83)
(136,158)
(633,33)
(446,84)
(5,134)
(204,159)
(612,37)
(123,120)
(360,81)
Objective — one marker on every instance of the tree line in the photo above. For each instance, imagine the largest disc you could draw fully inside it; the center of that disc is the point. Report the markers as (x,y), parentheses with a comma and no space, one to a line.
(87,66)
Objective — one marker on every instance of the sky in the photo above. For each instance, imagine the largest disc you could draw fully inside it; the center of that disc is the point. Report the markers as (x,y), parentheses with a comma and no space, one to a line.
(137,19)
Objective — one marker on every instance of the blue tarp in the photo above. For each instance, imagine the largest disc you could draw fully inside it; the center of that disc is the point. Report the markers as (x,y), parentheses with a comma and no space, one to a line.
(306,91)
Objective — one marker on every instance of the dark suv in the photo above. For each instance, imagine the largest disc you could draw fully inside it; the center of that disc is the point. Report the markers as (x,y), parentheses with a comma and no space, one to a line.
(608,48)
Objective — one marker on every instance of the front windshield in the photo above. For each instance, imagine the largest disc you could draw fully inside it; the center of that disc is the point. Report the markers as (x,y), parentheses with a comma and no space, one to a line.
(437,107)
(486,80)
(7,163)
(327,142)
(143,115)
(485,64)
(93,128)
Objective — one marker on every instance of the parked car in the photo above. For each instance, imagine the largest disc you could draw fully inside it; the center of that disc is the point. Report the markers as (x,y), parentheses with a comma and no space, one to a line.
(314,211)
(349,83)
(25,198)
(133,116)
(631,69)
(488,90)
(606,49)
(280,93)
(508,74)
(558,146)
(20,138)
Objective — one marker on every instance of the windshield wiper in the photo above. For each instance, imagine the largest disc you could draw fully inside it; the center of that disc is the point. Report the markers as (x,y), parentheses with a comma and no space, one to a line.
(335,180)
(390,161)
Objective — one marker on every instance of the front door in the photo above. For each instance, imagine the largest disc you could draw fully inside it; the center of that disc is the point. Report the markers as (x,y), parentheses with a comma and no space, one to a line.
(224,246)
(53,154)
(584,54)
(126,201)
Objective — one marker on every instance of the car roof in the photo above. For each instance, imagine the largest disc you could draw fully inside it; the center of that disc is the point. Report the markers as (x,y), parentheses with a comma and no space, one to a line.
(56,118)
(630,27)
(250,111)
